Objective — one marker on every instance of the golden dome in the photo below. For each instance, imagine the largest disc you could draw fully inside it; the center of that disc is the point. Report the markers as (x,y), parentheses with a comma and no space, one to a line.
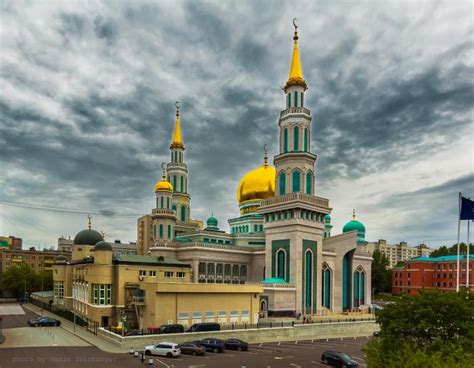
(163,185)
(257,184)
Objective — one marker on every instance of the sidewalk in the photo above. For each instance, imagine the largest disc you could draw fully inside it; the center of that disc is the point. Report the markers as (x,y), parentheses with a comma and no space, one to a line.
(87,336)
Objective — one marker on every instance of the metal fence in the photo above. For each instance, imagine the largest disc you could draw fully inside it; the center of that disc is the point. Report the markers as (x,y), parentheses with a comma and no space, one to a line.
(66,314)
(244,326)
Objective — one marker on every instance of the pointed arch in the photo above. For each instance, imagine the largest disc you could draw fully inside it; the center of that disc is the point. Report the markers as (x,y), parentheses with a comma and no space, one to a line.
(308,278)
(282,183)
(309,182)
(285,140)
(296,138)
(326,277)
(281,264)
(296,181)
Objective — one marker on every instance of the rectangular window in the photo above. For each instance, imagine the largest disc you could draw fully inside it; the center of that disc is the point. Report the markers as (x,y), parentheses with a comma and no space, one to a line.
(142,273)
(152,273)
(197,315)
(222,314)
(169,231)
(209,315)
(183,316)
(180,274)
(169,274)
(161,230)
(162,201)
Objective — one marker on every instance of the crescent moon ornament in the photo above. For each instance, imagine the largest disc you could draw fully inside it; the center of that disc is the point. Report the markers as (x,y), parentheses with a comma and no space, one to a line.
(163,165)
(294,23)
(177,104)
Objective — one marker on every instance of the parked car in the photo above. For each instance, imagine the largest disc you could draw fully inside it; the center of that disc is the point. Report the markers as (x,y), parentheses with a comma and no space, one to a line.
(192,348)
(207,326)
(166,329)
(44,321)
(338,359)
(168,349)
(236,344)
(214,345)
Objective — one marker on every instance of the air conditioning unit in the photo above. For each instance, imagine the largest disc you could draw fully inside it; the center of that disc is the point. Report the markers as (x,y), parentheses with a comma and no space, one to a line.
(141,278)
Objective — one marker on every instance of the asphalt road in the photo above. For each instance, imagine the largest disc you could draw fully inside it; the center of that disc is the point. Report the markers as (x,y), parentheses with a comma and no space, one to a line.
(267,355)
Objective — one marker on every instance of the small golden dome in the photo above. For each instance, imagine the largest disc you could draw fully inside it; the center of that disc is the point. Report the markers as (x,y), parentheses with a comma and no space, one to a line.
(163,185)
(257,184)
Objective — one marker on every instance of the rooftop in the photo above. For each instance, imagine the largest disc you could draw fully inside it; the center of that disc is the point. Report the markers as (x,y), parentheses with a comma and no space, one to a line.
(151,260)
(440,259)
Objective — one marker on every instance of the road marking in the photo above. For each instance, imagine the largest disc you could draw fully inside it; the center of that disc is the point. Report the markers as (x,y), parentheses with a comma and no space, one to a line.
(322,365)
(285,357)
(196,366)
(296,342)
(295,365)
(279,343)
(159,361)
(260,344)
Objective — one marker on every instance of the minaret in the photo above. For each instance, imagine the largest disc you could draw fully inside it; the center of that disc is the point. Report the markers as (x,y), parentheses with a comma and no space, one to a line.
(178,173)
(294,218)
(295,163)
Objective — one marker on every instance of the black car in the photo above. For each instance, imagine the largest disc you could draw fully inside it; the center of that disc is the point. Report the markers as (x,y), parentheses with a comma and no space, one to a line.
(214,345)
(192,348)
(338,359)
(44,321)
(206,326)
(166,329)
(236,344)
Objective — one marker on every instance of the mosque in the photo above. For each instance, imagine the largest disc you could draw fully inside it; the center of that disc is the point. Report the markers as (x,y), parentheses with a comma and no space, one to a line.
(281,239)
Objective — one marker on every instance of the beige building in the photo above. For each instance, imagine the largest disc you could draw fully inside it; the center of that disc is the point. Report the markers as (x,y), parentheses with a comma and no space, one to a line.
(400,252)
(144,291)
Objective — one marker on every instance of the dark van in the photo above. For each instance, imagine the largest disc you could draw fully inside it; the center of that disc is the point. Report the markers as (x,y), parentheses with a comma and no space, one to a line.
(201,327)
(167,329)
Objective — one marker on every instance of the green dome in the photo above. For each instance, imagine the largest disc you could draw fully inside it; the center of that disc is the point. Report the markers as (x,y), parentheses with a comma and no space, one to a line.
(87,237)
(102,245)
(327,218)
(354,225)
(212,222)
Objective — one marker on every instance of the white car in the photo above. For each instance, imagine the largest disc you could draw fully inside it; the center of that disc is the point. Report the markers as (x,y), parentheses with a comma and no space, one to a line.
(168,349)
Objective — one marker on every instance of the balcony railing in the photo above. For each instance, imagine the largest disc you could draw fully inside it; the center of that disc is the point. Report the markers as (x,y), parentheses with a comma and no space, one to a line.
(318,201)
(176,164)
(295,110)
(163,211)
(138,299)
(210,245)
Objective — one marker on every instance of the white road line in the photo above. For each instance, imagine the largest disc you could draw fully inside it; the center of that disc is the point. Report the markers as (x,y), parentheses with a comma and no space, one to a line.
(285,357)
(159,361)
(317,363)
(295,365)
(296,342)
(279,343)
(260,344)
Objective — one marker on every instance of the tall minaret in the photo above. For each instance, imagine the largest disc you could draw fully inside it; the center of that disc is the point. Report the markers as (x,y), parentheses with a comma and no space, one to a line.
(295,163)
(294,218)
(178,173)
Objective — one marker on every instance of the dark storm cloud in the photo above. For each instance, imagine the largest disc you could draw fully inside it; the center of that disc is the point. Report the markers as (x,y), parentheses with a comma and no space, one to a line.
(87,111)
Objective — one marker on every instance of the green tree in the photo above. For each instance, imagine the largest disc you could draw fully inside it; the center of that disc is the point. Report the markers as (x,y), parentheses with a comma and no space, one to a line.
(381,275)
(432,329)
(452,250)
(16,278)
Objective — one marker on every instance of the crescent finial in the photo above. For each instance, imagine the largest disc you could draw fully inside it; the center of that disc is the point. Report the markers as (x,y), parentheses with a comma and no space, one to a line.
(177,107)
(294,23)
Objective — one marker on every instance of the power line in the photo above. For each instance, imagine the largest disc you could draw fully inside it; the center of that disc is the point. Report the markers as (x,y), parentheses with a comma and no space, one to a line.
(63,210)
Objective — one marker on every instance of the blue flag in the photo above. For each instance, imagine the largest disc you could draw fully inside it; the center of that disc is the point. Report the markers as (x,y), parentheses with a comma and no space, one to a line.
(467,209)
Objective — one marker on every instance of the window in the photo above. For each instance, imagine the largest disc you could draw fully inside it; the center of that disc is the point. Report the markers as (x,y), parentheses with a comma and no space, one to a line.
(234,314)
(169,274)
(302,95)
(281,264)
(296,181)
(167,202)
(209,315)
(169,231)
(183,213)
(222,314)
(102,294)
(282,183)
(296,138)
(142,273)
(197,315)
(285,140)
(296,99)
(183,316)
(162,200)
(181,184)
(309,182)
(58,296)
(174,183)
(305,140)
(152,273)
(289,100)
(154,231)
(161,230)
(180,274)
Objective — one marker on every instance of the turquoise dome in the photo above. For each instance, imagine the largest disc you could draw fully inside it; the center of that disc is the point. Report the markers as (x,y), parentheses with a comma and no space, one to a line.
(358,226)
(327,218)
(212,222)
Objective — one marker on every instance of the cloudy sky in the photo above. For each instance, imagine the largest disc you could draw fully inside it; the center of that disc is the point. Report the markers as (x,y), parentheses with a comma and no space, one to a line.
(87,108)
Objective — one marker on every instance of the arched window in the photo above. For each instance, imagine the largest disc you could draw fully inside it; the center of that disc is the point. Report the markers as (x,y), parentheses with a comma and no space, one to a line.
(308,278)
(174,208)
(161,231)
(309,182)
(295,181)
(181,184)
(302,94)
(174,183)
(168,203)
(281,264)
(296,138)
(305,140)
(296,99)
(154,231)
(289,100)
(285,140)
(359,287)
(169,231)
(183,213)
(282,183)
(162,202)
(326,286)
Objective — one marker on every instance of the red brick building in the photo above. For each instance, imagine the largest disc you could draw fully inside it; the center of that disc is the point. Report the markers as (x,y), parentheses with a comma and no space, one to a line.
(431,273)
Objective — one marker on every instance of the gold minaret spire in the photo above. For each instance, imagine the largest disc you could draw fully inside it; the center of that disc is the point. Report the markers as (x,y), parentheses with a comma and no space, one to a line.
(177,139)
(265,155)
(295,77)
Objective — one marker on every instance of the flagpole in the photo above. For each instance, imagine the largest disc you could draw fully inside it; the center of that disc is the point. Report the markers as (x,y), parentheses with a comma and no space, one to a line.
(459,230)
(467,256)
